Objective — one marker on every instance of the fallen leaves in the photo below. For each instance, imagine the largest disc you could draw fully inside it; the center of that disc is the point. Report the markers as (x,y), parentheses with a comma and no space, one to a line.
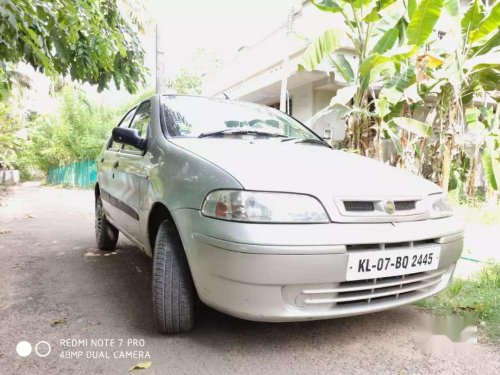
(58,322)
(141,366)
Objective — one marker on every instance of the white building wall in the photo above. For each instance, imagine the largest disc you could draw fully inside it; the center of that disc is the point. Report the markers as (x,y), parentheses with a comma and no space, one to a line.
(334,126)
(261,65)
(303,102)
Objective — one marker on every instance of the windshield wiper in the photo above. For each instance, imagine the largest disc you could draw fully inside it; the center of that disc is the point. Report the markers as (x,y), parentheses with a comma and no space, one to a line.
(307,140)
(239,131)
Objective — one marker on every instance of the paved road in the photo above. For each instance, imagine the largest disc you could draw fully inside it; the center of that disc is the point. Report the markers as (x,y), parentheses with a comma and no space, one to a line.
(49,272)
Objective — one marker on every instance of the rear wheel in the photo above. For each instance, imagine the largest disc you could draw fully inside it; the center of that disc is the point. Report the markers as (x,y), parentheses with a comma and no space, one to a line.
(106,234)
(173,289)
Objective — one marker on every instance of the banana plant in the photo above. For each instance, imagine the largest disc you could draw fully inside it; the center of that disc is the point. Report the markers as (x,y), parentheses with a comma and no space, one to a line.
(402,64)
(470,69)
(484,124)
(385,35)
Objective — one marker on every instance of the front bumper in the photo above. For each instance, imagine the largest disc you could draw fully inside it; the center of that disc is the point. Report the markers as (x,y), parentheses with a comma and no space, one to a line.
(277,272)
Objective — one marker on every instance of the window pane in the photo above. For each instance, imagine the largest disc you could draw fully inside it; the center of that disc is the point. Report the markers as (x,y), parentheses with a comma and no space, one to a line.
(125,122)
(187,116)
(140,122)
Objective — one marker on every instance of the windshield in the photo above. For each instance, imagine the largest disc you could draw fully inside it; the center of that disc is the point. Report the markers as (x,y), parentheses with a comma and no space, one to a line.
(191,117)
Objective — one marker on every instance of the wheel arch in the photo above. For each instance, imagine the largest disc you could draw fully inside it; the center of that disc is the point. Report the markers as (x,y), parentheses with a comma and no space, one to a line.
(158,214)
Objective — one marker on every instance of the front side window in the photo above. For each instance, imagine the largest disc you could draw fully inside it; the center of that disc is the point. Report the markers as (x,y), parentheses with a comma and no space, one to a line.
(124,123)
(192,117)
(140,122)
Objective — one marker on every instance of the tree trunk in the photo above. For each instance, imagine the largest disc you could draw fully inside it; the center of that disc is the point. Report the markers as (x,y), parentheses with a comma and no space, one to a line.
(471,188)
(446,164)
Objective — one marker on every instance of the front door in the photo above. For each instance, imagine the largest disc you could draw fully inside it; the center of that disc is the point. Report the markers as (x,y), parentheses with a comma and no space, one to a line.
(108,179)
(129,174)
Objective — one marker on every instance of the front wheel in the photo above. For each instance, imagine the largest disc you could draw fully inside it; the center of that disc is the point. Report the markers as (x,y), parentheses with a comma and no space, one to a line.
(106,234)
(173,289)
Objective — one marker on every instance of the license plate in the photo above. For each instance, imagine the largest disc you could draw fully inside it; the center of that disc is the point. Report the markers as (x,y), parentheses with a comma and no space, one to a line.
(387,263)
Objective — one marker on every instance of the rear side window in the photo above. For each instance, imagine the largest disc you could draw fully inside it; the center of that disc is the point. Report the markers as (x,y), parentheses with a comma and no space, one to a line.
(125,122)
(141,123)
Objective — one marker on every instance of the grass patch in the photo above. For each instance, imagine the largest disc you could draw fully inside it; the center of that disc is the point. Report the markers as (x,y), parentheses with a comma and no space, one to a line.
(479,295)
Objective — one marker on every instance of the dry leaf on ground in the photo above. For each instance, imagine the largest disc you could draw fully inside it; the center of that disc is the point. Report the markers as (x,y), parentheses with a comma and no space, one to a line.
(58,321)
(141,366)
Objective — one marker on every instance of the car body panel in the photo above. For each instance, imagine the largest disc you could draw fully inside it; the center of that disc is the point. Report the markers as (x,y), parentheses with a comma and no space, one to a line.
(272,165)
(262,275)
(260,271)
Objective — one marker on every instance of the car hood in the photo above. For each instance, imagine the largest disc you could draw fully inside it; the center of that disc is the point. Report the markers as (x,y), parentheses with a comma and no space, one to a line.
(272,165)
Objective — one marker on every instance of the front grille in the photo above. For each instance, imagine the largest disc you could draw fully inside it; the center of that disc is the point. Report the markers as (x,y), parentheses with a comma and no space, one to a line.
(359,206)
(404,205)
(372,291)
(385,246)
(382,209)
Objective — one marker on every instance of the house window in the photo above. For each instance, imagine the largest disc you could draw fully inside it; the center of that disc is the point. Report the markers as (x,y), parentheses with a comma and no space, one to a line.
(327,133)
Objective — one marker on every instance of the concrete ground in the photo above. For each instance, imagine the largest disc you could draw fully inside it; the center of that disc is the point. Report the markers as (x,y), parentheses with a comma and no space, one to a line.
(55,286)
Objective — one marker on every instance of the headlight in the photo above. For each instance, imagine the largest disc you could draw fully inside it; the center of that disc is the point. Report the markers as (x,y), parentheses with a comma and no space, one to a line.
(439,206)
(260,207)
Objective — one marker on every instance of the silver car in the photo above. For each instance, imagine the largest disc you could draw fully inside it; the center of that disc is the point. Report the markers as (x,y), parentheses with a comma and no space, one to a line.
(248,209)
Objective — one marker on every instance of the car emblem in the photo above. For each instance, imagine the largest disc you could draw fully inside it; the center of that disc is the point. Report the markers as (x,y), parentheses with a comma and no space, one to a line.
(389,207)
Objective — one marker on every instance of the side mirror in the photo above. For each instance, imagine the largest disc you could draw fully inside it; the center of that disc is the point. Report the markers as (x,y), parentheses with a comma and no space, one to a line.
(129,137)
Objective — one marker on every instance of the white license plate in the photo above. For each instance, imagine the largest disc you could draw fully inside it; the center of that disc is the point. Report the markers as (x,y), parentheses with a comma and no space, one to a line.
(387,263)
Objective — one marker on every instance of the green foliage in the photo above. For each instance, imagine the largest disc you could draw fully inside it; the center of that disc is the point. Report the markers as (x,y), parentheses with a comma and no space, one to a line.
(414,126)
(11,124)
(386,45)
(487,25)
(478,295)
(402,63)
(78,132)
(321,48)
(185,82)
(423,20)
(87,40)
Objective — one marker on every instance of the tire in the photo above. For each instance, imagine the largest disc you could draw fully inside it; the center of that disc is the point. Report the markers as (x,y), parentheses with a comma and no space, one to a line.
(106,234)
(173,289)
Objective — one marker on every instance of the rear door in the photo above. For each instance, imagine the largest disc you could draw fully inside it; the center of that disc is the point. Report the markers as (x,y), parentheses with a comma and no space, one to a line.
(107,181)
(129,174)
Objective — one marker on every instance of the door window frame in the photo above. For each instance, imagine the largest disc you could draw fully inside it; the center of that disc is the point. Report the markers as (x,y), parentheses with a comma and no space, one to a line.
(137,151)
(109,146)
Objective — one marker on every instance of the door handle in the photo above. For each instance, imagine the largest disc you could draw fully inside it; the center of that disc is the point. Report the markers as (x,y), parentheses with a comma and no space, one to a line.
(116,164)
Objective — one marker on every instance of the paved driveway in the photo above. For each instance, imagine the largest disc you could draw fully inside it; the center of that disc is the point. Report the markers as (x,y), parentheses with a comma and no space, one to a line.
(56,287)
